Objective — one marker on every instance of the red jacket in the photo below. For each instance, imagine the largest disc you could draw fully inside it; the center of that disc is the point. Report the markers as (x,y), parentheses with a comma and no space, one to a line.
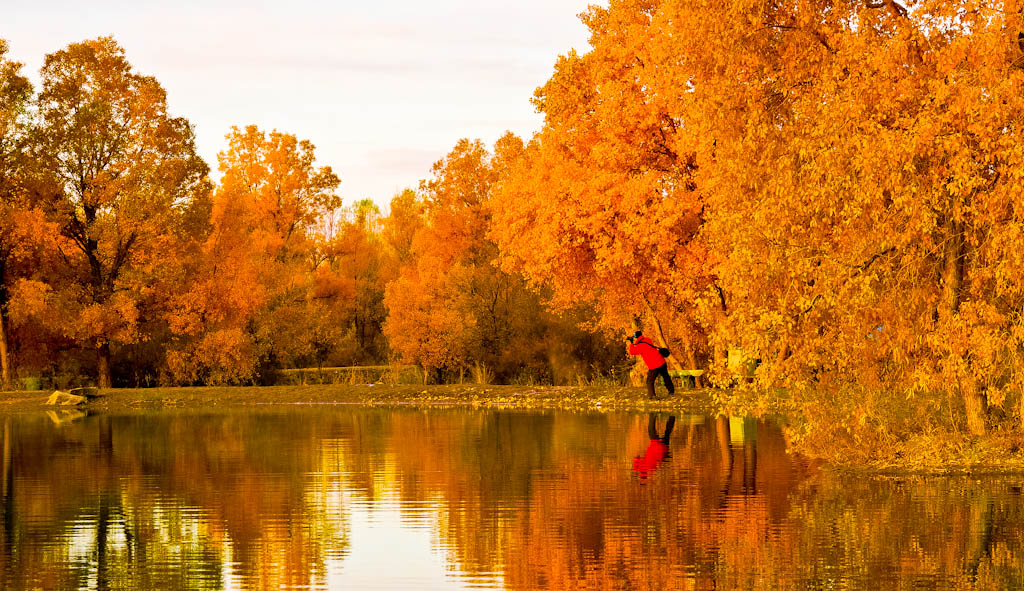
(648,351)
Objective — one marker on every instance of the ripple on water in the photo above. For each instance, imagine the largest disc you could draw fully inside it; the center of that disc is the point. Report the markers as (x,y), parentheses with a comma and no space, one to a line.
(355,497)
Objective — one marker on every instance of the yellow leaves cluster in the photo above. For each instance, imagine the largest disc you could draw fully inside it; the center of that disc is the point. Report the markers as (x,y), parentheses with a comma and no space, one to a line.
(115,175)
(451,309)
(834,187)
(430,305)
(258,293)
(221,356)
(271,187)
(64,313)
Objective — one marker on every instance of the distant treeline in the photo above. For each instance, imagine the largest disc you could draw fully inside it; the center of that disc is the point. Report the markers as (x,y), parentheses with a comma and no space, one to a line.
(831,188)
(122,264)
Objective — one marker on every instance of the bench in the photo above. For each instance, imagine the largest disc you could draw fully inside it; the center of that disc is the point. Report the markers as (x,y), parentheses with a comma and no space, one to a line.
(687,377)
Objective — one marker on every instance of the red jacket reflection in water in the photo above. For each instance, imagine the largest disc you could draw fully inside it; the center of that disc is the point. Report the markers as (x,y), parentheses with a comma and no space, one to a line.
(657,449)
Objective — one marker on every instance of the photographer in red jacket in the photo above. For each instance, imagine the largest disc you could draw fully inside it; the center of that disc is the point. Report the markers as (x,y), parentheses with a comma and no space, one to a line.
(653,359)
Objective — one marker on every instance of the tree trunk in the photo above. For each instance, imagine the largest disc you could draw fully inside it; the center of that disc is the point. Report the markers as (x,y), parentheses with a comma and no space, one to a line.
(689,350)
(974,406)
(103,365)
(5,363)
(953,276)
(779,359)
(672,362)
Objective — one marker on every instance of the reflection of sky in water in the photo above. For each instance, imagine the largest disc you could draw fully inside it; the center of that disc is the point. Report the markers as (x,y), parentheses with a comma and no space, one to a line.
(393,549)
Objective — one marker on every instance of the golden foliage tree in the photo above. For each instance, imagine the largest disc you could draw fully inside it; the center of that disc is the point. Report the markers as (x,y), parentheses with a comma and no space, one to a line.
(828,186)
(247,308)
(399,228)
(452,308)
(427,321)
(860,179)
(127,197)
(15,223)
(348,304)
(602,206)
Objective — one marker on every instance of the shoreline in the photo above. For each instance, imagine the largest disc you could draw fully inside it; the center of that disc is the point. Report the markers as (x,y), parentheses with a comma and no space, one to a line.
(989,455)
(622,398)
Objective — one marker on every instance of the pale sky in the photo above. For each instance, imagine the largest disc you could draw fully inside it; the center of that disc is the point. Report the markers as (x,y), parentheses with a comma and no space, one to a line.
(383,89)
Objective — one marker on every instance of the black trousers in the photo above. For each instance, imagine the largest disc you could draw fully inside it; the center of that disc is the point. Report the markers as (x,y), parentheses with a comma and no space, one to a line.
(652,375)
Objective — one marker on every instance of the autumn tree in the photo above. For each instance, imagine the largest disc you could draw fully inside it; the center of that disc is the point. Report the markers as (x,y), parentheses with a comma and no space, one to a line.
(348,303)
(128,195)
(15,94)
(860,185)
(452,308)
(828,186)
(602,206)
(425,324)
(399,228)
(362,258)
(247,310)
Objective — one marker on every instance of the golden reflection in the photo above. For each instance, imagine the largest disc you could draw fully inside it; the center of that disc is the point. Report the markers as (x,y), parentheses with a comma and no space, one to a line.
(59,417)
(525,500)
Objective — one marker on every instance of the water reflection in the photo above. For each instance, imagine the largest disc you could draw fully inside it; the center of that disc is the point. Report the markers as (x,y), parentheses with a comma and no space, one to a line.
(657,450)
(371,498)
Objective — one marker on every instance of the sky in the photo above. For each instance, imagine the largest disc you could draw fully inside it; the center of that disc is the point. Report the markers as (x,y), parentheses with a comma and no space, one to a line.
(383,90)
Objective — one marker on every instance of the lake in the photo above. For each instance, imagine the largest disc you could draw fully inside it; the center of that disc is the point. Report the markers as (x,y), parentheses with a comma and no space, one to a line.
(353,497)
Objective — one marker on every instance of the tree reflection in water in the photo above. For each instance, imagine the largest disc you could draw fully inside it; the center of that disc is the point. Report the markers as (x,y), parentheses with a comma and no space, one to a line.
(515,499)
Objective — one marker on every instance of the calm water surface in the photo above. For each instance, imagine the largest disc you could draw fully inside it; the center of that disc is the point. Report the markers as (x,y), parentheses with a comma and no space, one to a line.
(362,498)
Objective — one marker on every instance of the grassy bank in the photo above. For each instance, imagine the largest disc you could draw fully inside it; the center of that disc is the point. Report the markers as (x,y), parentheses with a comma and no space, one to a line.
(568,397)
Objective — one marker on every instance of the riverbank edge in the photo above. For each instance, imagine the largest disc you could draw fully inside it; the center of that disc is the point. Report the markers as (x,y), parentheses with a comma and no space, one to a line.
(990,455)
(497,396)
